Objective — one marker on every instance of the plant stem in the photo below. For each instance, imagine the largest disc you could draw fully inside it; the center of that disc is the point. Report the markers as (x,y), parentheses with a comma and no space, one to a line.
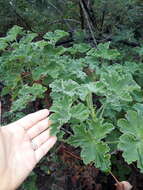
(114,177)
(90,106)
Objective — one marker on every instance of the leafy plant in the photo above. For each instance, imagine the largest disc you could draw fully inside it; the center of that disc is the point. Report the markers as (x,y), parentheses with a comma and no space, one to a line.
(91,89)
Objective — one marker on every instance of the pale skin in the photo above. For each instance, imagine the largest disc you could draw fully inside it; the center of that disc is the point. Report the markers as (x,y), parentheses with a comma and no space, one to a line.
(18,157)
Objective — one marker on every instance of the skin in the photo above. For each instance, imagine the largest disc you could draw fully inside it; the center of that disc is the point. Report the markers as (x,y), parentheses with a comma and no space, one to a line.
(18,156)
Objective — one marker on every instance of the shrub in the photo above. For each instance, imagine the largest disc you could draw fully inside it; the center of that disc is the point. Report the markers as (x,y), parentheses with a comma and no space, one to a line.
(94,91)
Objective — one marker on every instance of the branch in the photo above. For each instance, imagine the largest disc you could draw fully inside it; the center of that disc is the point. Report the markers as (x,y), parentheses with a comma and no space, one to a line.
(108,38)
(88,22)
(102,20)
(81,16)
(89,10)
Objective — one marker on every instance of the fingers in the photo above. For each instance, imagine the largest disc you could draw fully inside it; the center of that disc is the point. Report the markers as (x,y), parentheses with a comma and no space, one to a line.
(44,148)
(28,121)
(41,139)
(38,128)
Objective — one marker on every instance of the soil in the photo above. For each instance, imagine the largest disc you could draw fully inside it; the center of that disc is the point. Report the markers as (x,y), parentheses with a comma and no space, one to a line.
(69,173)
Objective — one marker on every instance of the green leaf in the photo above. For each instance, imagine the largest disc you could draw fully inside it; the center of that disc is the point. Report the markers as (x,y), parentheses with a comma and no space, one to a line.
(55,127)
(28,94)
(5,91)
(138,107)
(39,72)
(61,107)
(131,67)
(13,33)
(131,142)
(36,90)
(89,137)
(137,96)
(81,48)
(53,37)
(68,87)
(104,52)
(112,139)
(117,88)
(124,35)
(97,153)
(91,87)
(28,38)
(21,103)
(3,44)
(30,183)
(11,79)
(80,112)
(139,50)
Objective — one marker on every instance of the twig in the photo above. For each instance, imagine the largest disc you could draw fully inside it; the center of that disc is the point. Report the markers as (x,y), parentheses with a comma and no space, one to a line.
(66,131)
(102,20)
(114,177)
(73,155)
(90,12)
(81,17)
(88,3)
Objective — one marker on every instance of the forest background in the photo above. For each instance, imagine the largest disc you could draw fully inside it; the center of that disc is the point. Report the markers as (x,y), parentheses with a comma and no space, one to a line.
(93,74)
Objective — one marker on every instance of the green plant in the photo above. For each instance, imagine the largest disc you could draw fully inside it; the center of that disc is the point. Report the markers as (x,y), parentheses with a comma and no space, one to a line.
(91,90)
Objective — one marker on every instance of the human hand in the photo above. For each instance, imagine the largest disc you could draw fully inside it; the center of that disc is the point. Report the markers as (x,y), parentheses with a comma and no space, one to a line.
(22,145)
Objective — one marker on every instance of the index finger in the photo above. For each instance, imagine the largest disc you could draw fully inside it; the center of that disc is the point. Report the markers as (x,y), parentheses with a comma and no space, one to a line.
(31,119)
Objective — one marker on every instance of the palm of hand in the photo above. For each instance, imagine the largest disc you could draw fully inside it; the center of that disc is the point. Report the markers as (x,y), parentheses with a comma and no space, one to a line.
(18,156)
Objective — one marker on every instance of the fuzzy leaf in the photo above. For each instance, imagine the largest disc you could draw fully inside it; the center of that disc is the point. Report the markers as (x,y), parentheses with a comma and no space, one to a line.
(131,142)
(53,37)
(38,72)
(13,32)
(91,87)
(117,88)
(21,103)
(104,52)
(82,48)
(138,107)
(80,112)
(93,149)
(28,38)
(3,44)
(36,90)
(66,87)
(62,110)
(28,94)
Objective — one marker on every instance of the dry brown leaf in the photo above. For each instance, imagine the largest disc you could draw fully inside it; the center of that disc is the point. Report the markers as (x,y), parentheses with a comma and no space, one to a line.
(124,185)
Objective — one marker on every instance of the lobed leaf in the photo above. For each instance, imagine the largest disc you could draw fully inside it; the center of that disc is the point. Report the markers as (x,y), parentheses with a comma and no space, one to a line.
(26,95)
(68,87)
(104,52)
(80,112)
(53,37)
(61,107)
(89,137)
(131,142)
